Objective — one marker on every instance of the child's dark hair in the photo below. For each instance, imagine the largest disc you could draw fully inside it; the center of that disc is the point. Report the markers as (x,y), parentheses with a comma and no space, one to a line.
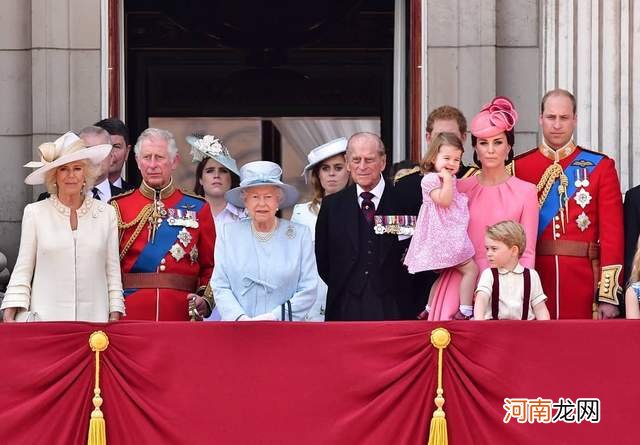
(428,160)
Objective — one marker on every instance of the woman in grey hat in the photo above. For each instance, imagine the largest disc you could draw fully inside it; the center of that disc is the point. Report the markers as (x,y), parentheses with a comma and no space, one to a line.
(68,266)
(327,173)
(216,174)
(265,266)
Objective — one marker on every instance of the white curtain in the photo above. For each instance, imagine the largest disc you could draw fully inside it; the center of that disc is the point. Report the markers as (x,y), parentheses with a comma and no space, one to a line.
(304,134)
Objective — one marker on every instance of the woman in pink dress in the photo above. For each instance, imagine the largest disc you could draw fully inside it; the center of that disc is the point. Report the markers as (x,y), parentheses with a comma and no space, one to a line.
(440,240)
(493,196)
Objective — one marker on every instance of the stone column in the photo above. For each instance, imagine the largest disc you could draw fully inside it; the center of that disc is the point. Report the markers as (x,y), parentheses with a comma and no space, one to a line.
(477,49)
(592,48)
(49,84)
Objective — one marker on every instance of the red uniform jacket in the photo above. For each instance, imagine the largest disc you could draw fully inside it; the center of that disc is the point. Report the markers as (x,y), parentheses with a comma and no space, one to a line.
(179,248)
(569,281)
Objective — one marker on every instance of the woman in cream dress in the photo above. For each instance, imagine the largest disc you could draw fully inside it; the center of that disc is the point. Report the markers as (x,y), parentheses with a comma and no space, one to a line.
(68,266)
(327,169)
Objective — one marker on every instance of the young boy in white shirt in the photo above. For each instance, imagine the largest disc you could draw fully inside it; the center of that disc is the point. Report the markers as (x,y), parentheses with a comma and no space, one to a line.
(507,290)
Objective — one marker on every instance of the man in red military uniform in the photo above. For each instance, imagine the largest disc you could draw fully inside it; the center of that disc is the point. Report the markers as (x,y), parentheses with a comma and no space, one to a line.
(166,239)
(579,254)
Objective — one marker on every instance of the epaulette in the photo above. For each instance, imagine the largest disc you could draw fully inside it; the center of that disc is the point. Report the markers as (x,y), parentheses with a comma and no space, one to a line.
(120,195)
(193,195)
(593,151)
(522,155)
(403,173)
(472,170)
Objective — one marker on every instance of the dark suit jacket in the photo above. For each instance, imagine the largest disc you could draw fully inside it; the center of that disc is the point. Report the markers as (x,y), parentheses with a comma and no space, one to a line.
(114,191)
(126,186)
(337,247)
(631,228)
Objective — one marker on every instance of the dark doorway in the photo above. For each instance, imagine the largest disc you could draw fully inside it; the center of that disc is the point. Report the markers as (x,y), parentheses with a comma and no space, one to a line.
(250,58)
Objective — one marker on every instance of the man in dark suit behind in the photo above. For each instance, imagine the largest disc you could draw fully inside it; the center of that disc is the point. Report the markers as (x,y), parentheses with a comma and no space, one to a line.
(363,270)
(121,146)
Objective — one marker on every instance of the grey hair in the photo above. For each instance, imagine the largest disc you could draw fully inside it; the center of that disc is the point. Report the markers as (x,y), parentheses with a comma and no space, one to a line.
(91,173)
(365,136)
(157,133)
(279,191)
(96,131)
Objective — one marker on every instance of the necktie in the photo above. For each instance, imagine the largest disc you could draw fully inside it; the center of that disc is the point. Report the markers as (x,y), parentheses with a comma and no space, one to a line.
(368,207)
(96,193)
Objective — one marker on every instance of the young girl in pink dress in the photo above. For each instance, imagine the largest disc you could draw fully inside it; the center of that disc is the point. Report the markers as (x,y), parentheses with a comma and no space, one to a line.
(440,240)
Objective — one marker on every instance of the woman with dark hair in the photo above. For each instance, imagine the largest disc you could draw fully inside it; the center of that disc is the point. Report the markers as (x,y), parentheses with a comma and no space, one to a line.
(493,196)
(327,173)
(216,174)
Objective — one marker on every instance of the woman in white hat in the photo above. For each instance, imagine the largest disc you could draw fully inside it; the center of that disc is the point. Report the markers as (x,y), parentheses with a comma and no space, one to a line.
(67,266)
(265,266)
(327,170)
(216,174)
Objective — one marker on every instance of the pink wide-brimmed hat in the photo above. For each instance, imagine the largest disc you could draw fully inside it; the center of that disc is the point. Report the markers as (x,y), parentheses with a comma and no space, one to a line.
(496,117)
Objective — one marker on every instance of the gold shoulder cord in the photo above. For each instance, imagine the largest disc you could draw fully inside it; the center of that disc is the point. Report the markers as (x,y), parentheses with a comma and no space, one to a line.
(140,220)
(553,172)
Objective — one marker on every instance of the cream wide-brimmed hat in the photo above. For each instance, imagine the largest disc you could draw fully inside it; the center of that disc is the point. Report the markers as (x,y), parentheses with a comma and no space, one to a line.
(257,173)
(212,147)
(322,152)
(67,148)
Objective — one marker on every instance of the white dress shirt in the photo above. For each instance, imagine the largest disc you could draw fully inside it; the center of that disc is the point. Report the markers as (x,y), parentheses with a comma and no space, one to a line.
(376,191)
(104,190)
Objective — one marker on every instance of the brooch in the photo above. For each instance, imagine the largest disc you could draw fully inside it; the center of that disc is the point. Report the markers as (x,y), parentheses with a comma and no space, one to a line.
(291,233)
(177,252)
(184,237)
(583,221)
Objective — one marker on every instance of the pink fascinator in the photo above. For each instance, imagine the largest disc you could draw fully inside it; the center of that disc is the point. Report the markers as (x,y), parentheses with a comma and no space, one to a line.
(494,118)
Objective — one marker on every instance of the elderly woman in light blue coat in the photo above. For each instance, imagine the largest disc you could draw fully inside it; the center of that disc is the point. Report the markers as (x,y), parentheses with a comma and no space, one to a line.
(265,267)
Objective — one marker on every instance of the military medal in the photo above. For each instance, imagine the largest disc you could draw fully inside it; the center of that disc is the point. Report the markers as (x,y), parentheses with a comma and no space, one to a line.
(583,221)
(291,233)
(583,198)
(184,237)
(193,255)
(394,224)
(582,180)
(177,252)
(184,218)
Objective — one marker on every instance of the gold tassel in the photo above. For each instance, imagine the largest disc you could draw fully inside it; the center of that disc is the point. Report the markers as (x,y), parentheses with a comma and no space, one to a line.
(98,342)
(440,339)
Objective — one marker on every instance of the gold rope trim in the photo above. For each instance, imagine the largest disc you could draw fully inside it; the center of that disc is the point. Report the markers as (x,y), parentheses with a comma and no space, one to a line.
(98,342)
(440,339)
(140,220)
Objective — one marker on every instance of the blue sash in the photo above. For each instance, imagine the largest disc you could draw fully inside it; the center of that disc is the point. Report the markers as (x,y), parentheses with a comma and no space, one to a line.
(552,204)
(166,236)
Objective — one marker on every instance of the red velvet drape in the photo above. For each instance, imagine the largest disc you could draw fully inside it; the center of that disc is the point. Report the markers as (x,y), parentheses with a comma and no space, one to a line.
(307,383)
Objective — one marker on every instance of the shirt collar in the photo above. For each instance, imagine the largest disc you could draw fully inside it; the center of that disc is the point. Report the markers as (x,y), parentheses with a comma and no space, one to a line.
(235,211)
(559,154)
(104,188)
(376,191)
(518,269)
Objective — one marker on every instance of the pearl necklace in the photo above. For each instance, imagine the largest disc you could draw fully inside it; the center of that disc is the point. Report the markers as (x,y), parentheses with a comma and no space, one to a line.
(264,236)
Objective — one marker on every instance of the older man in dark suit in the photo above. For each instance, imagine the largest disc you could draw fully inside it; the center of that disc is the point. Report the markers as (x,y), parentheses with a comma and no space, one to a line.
(362,269)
